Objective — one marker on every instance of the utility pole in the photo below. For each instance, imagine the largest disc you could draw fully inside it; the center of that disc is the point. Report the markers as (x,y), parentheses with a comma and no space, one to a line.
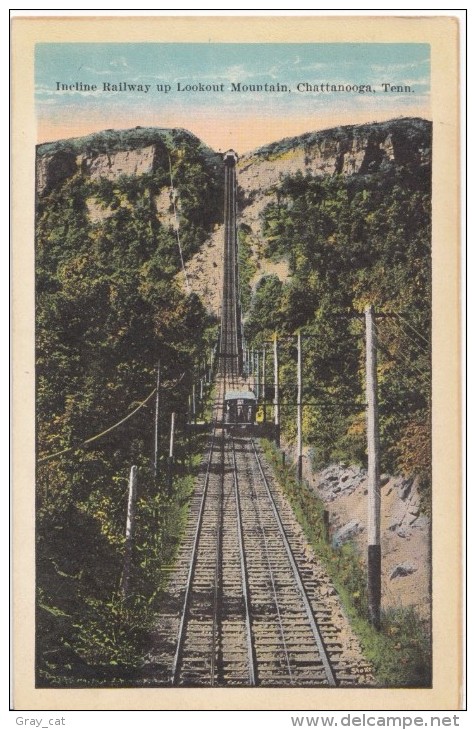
(264,383)
(276,392)
(131,503)
(194,405)
(373,451)
(299,409)
(257,377)
(189,432)
(171,450)
(156,431)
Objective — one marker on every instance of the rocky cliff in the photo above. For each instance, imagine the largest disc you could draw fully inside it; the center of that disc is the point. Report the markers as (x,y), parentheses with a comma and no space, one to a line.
(353,150)
(110,154)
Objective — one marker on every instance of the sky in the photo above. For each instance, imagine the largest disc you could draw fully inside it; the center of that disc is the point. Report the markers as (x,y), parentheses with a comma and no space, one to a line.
(225,118)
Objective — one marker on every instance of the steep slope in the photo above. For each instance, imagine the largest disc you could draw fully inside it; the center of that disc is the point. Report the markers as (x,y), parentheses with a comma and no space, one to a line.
(353,150)
(113,153)
(330,221)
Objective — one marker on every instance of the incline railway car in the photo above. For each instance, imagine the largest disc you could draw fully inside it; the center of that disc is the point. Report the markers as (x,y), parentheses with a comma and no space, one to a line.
(230,158)
(239,408)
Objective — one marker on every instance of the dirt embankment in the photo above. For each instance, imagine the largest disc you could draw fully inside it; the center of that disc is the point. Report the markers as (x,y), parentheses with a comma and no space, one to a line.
(205,271)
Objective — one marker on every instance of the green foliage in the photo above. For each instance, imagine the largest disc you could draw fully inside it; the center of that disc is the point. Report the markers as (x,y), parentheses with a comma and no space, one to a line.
(246,266)
(108,307)
(261,322)
(410,137)
(400,652)
(349,242)
(114,140)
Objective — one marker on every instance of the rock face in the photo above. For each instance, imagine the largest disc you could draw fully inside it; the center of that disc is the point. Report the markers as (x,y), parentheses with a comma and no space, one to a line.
(52,170)
(402,570)
(125,162)
(405,531)
(114,152)
(347,532)
(351,150)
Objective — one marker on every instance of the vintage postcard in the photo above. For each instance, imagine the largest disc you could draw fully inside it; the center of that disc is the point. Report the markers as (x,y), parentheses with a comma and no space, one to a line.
(236,333)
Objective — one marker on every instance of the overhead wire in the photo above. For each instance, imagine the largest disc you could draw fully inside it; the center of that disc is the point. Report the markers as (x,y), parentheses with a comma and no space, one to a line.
(403,360)
(407,324)
(400,329)
(98,435)
(177,227)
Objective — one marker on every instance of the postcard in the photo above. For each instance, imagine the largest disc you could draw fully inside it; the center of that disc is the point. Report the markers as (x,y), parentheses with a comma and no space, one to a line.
(236,363)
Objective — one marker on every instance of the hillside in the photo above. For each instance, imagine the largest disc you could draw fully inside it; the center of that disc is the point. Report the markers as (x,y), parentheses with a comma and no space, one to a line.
(108,308)
(113,153)
(332,221)
(350,151)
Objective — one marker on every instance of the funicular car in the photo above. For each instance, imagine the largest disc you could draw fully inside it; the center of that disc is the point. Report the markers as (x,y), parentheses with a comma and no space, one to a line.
(239,409)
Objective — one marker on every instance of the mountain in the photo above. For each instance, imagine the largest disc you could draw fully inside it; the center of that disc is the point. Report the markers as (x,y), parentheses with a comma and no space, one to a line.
(328,222)
(356,148)
(113,153)
(351,151)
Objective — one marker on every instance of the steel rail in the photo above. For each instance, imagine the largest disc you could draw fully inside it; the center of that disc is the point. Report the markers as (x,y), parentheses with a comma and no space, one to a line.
(193,560)
(218,562)
(252,662)
(330,674)
(273,582)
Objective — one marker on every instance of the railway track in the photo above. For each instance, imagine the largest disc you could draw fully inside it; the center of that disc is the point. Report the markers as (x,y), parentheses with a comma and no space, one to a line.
(230,330)
(248,603)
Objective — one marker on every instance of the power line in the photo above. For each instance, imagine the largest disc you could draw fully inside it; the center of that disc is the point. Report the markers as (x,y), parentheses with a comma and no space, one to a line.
(407,324)
(404,361)
(400,329)
(177,226)
(99,435)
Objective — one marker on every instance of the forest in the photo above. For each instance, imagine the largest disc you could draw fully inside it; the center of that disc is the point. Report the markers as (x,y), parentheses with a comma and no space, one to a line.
(349,242)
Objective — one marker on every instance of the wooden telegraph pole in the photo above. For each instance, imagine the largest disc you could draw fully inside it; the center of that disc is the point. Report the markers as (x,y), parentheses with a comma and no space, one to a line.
(299,410)
(156,430)
(131,503)
(171,450)
(257,377)
(373,450)
(263,382)
(276,392)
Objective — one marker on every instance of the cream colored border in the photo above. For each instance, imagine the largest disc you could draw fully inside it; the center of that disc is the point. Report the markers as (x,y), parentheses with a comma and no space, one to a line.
(442,34)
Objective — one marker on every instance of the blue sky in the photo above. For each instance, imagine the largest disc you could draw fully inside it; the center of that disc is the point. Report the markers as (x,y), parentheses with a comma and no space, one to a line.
(218,117)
